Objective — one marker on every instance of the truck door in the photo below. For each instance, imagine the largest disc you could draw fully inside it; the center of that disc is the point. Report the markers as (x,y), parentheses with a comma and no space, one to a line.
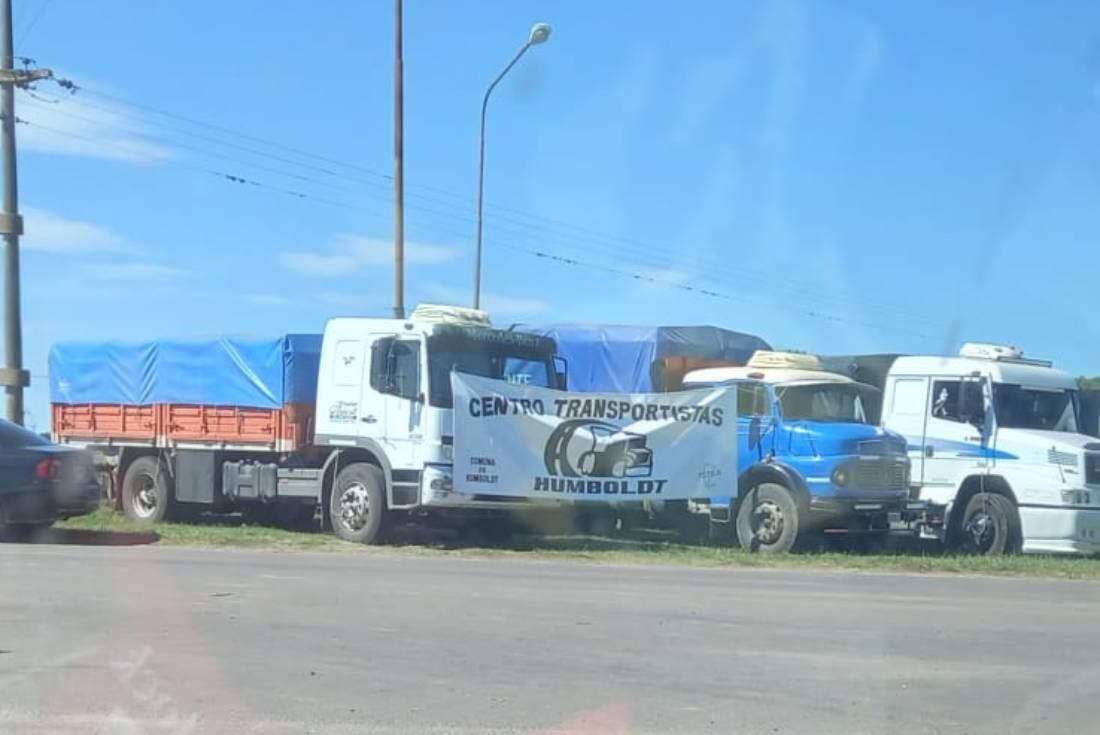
(906,412)
(954,444)
(392,402)
(755,428)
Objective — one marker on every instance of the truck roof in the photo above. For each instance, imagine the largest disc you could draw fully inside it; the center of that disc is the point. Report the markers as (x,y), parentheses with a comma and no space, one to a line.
(766,375)
(361,325)
(1001,371)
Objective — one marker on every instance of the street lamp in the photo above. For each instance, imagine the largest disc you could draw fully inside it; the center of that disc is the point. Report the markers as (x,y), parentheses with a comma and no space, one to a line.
(539,33)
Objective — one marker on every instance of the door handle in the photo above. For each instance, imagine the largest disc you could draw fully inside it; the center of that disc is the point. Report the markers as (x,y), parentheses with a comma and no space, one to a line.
(973,438)
(928,450)
(369,420)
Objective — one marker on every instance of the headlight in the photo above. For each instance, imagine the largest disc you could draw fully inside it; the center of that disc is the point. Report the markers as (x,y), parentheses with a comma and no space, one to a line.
(442,484)
(841,476)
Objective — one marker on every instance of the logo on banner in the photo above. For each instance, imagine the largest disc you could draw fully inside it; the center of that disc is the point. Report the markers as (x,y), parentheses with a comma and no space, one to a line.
(526,441)
(587,448)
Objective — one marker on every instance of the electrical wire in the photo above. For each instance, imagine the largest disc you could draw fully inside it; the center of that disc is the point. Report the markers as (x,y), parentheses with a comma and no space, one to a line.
(22,35)
(613,245)
(536,252)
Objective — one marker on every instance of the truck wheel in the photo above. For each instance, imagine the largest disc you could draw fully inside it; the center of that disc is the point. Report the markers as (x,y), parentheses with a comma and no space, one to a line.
(767,520)
(357,505)
(146,492)
(990,525)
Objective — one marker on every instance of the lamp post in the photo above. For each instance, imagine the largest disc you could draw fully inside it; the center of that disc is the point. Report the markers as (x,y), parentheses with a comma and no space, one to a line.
(539,33)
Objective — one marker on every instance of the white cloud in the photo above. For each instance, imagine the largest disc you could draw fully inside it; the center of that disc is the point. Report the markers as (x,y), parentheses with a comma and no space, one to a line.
(263,299)
(707,83)
(375,251)
(78,127)
(866,63)
(319,264)
(497,304)
(51,233)
(352,253)
(348,300)
(134,270)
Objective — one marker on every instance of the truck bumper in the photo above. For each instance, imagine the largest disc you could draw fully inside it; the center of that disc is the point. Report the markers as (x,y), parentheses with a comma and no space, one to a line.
(437,491)
(1054,530)
(861,515)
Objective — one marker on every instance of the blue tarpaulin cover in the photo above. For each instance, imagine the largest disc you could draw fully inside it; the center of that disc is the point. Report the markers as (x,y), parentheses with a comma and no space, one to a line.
(619,359)
(250,372)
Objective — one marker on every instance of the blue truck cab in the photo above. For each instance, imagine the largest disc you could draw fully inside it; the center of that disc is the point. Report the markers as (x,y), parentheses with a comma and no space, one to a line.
(808,460)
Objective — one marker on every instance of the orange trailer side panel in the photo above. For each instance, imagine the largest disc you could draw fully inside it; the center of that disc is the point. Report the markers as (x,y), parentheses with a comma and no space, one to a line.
(105,421)
(168,424)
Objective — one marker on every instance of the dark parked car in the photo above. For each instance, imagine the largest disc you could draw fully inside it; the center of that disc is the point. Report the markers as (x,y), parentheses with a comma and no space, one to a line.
(41,482)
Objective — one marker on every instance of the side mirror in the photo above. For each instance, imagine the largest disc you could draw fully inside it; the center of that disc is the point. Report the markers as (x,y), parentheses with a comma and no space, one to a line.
(561,373)
(972,404)
(754,432)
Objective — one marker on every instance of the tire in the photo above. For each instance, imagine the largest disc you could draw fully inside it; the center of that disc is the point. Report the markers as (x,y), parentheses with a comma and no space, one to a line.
(990,526)
(357,504)
(767,520)
(146,491)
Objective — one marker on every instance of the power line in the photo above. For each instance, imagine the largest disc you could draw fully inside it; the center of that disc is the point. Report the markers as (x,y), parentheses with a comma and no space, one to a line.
(227,176)
(164,141)
(612,244)
(575,262)
(26,31)
(536,252)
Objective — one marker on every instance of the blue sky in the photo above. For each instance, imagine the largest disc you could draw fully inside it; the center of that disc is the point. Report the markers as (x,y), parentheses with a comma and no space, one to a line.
(850,176)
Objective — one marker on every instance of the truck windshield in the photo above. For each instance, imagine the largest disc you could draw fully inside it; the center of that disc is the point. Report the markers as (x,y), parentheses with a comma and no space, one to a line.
(824,402)
(1021,407)
(503,362)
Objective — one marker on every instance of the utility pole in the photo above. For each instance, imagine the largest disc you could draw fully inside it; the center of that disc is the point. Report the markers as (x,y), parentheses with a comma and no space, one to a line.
(398,165)
(12,376)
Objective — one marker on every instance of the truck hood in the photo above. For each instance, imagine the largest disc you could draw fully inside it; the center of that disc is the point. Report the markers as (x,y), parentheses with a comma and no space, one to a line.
(829,438)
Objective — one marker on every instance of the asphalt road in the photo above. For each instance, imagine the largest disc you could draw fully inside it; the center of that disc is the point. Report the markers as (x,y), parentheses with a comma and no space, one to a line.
(158,640)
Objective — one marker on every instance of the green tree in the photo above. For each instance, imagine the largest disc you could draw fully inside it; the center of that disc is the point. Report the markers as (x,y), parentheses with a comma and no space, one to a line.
(1087,383)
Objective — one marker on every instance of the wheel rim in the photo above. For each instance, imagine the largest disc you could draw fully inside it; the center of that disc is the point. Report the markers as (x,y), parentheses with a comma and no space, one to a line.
(767,522)
(145,498)
(980,530)
(354,506)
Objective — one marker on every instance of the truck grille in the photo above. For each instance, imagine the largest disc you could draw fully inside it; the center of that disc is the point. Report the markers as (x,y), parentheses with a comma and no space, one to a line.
(1092,469)
(874,446)
(880,475)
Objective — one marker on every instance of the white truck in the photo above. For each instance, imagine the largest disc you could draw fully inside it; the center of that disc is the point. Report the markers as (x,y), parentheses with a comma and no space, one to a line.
(995,447)
(363,429)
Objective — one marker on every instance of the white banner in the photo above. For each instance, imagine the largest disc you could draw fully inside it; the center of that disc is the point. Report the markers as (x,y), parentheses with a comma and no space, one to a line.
(523,441)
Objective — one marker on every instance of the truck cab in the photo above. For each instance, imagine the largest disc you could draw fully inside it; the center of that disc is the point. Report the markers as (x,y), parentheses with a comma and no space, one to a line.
(996,446)
(808,458)
(384,400)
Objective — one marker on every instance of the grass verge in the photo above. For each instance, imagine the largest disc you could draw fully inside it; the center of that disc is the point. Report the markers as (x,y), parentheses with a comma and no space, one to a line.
(106,527)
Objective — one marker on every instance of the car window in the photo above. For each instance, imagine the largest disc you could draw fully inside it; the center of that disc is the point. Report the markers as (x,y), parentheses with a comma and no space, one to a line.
(945,400)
